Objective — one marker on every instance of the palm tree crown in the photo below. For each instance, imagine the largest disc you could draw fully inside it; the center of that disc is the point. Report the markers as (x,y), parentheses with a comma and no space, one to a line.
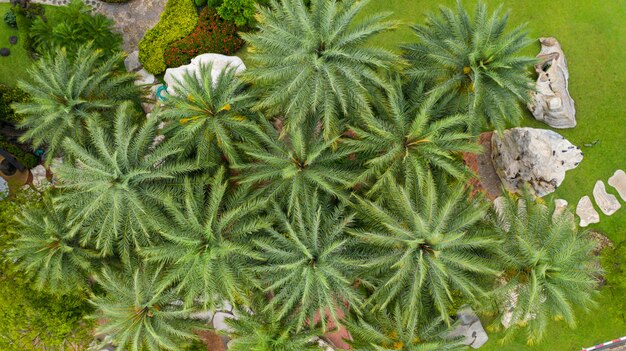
(475,60)
(139,316)
(426,245)
(207,113)
(47,248)
(67,91)
(312,63)
(205,231)
(549,267)
(410,142)
(307,265)
(109,187)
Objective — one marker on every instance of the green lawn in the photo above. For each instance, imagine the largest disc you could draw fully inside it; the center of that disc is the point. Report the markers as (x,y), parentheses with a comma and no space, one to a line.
(593,35)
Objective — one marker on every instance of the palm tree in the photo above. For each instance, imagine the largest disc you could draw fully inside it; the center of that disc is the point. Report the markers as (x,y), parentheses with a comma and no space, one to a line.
(386,331)
(207,113)
(313,62)
(206,228)
(426,246)
(307,265)
(550,269)
(410,141)
(260,329)
(48,250)
(140,316)
(294,163)
(475,60)
(68,91)
(110,185)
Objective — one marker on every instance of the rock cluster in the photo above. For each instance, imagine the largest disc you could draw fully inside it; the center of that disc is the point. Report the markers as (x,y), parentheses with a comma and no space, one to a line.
(551,102)
(533,157)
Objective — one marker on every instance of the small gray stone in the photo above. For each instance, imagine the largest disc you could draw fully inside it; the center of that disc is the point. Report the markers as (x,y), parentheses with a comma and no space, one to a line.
(5,52)
(13,40)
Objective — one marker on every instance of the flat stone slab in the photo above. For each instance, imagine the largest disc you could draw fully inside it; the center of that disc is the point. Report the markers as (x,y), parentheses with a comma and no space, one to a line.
(618,181)
(607,202)
(586,212)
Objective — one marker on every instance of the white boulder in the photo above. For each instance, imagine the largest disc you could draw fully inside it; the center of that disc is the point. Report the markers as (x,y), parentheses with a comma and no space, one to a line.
(618,181)
(586,212)
(607,202)
(219,62)
(535,157)
(40,180)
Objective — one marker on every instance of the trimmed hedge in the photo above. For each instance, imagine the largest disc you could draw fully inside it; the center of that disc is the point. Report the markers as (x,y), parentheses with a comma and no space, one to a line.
(212,35)
(177,20)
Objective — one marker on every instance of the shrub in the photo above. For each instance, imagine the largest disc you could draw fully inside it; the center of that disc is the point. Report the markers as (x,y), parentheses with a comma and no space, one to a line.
(239,11)
(9,95)
(212,34)
(10,19)
(27,159)
(177,20)
(214,3)
(200,2)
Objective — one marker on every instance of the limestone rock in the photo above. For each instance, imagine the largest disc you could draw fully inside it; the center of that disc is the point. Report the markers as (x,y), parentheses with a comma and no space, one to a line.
(219,321)
(560,206)
(469,329)
(132,62)
(607,202)
(40,180)
(551,102)
(586,212)
(535,157)
(618,181)
(220,63)
(145,78)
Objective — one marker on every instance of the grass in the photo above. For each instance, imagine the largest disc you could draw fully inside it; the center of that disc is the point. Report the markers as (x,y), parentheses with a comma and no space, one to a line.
(14,67)
(592,36)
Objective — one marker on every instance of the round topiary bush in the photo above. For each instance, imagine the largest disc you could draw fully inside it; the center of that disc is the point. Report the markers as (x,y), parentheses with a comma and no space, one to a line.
(10,19)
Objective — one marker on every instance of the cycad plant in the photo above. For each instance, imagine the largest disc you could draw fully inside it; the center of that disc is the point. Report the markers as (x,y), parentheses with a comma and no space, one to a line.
(110,185)
(307,264)
(475,60)
(427,247)
(261,329)
(68,91)
(288,165)
(409,142)
(312,62)
(207,113)
(47,249)
(139,316)
(206,229)
(387,331)
(550,268)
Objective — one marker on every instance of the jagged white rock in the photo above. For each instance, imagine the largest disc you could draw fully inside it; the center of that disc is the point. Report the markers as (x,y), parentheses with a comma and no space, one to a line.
(618,181)
(607,202)
(219,62)
(586,212)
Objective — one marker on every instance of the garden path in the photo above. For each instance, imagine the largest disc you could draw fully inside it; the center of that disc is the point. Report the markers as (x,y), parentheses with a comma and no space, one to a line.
(132,19)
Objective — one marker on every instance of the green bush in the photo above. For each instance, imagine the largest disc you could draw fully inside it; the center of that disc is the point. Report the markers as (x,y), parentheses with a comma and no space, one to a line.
(9,95)
(27,159)
(177,20)
(239,11)
(200,2)
(10,19)
(214,3)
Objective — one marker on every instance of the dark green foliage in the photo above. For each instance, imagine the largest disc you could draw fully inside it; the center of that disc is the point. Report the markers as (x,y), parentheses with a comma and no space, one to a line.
(47,249)
(241,12)
(314,64)
(206,230)
(408,142)
(211,35)
(548,265)
(207,115)
(307,264)
(10,19)
(66,92)
(177,20)
(109,187)
(9,95)
(262,330)
(475,61)
(387,331)
(290,165)
(74,27)
(426,244)
(200,3)
(140,316)
(27,159)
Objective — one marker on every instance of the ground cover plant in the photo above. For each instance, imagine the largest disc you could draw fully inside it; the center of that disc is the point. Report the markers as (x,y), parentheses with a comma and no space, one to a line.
(322,186)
